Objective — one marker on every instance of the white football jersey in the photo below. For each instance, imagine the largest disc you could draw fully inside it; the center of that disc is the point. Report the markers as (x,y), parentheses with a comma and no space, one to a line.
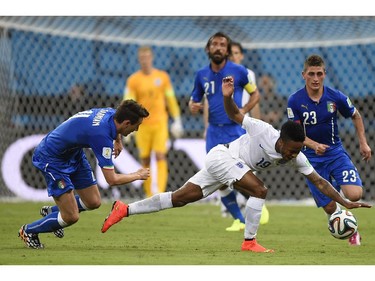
(257,148)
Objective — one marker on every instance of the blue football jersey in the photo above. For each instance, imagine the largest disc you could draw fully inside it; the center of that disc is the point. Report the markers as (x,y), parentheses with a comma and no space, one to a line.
(209,83)
(319,119)
(94,128)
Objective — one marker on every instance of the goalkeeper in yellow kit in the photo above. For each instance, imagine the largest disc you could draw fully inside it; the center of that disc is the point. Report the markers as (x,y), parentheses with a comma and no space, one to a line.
(153,89)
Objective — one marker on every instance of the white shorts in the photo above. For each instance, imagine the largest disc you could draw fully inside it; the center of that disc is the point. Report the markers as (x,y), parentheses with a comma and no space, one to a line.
(220,169)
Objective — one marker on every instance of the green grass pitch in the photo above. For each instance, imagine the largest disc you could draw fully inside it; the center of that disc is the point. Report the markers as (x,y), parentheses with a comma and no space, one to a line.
(192,235)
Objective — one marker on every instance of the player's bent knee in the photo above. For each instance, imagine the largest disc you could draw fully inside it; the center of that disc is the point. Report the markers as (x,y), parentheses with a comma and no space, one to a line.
(94,205)
(355,198)
(260,191)
(70,219)
(354,194)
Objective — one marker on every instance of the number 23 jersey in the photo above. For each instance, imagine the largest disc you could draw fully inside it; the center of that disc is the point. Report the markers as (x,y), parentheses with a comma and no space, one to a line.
(319,118)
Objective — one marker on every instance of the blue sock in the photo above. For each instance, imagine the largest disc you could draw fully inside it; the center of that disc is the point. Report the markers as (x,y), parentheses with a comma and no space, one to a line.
(230,202)
(80,207)
(47,224)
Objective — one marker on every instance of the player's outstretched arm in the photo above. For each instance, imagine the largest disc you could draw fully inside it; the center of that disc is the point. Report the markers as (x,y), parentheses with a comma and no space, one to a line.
(115,179)
(325,187)
(230,107)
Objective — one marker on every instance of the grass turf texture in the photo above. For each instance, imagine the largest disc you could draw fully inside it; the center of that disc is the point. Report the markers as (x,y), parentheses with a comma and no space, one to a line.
(192,235)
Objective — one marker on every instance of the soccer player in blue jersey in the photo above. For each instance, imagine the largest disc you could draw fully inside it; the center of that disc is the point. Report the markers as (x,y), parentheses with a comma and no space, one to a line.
(316,107)
(61,159)
(219,128)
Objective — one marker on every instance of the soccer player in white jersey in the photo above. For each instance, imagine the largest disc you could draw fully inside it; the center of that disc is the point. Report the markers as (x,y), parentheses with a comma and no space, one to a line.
(237,56)
(262,147)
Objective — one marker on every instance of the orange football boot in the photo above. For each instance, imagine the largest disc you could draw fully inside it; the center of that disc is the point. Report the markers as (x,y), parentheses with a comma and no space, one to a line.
(118,212)
(253,246)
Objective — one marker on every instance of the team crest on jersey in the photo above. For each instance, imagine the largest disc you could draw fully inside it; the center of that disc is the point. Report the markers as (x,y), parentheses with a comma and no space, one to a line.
(331,106)
(290,113)
(61,184)
(157,82)
(239,164)
(107,152)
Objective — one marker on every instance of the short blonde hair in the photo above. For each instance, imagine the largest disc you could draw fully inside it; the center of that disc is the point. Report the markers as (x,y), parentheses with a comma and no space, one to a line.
(144,49)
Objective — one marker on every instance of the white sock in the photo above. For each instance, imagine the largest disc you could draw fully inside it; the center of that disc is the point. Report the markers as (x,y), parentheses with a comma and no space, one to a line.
(225,192)
(152,204)
(253,212)
(61,221)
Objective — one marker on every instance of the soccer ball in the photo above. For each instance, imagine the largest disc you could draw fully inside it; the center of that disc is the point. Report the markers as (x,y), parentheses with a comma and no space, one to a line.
(342,224)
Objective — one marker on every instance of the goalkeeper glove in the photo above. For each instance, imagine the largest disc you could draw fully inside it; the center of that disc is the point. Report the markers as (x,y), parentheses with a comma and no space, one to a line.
(177,130)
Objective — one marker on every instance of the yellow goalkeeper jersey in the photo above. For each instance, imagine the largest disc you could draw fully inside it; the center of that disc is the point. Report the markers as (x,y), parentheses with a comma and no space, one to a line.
(155,92)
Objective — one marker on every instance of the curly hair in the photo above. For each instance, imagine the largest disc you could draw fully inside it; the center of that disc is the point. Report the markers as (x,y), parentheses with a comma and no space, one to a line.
(291,130)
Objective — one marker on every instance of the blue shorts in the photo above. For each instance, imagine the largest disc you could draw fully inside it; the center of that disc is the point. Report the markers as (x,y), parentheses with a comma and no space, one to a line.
(338,171)
(63,176)
(222,134)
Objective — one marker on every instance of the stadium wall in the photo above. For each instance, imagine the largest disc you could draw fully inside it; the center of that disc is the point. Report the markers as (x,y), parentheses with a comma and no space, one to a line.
(39,68)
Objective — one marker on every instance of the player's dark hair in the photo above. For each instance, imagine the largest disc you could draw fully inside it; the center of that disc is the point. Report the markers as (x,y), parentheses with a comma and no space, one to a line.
(130,110)
(238,44)
(220,34)
(313,60)
(291,130)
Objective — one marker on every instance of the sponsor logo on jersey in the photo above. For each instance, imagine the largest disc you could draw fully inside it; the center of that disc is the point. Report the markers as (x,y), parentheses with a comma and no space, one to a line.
(331,106)
(290,113)
(304,106)
(107,152)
